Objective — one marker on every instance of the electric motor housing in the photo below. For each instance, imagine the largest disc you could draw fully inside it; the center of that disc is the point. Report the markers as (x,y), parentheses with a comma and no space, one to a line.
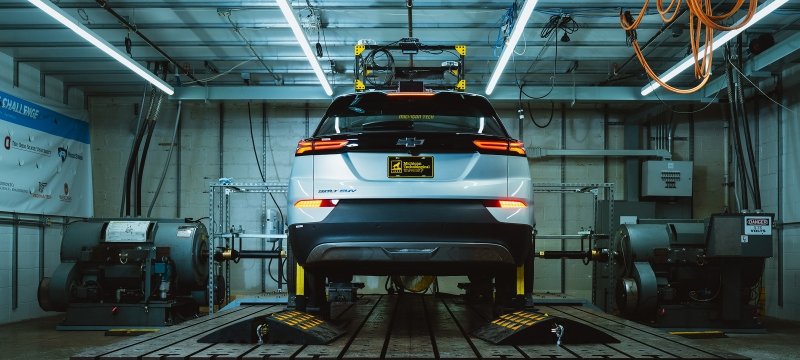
(111,260)
(689,263)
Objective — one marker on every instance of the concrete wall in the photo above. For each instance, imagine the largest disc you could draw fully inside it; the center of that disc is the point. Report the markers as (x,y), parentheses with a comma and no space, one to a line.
(113,121)
(29,253)
(777,130)
(29,272)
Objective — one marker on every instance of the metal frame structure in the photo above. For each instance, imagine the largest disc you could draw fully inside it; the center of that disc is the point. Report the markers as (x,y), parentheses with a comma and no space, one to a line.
(219,206)
(581,188)
(362,70)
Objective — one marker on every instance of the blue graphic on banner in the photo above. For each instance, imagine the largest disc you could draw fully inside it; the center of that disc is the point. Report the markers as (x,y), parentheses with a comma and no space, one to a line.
(45,161)
(30,115)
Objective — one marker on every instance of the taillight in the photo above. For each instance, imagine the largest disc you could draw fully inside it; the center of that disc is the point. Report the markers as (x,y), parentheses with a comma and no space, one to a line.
(514,147)
(315,203)
(517,147)
(305,147)
(493,145)
(505,204)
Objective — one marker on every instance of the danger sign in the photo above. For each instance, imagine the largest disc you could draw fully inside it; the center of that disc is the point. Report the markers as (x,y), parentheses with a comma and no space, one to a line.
(757,225)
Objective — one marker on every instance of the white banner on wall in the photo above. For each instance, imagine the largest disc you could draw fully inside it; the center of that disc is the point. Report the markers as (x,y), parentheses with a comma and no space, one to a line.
(45,162)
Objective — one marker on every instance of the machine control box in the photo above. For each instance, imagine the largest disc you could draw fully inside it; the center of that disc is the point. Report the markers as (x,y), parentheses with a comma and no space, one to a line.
(740,235)
(667,178)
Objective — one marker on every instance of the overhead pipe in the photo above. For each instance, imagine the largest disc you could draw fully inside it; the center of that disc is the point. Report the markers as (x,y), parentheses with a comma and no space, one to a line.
(105,5)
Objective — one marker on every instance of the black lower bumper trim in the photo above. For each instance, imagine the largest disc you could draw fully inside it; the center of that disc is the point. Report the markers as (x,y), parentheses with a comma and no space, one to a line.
(379,238)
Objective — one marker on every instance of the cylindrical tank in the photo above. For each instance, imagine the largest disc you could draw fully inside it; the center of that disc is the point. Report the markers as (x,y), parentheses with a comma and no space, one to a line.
(185,242)
(637,241)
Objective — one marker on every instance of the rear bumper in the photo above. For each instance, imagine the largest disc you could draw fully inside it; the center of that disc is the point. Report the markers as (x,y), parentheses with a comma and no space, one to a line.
(435,237)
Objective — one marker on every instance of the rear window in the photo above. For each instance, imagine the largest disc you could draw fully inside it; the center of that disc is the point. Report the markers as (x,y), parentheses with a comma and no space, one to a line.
(440,112)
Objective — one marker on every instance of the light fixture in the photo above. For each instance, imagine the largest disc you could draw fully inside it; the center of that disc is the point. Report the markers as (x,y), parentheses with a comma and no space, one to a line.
(719,40)
(286,9)
(516,34)
(61,16)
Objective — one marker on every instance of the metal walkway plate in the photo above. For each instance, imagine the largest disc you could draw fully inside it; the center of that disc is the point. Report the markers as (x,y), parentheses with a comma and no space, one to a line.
(409,327)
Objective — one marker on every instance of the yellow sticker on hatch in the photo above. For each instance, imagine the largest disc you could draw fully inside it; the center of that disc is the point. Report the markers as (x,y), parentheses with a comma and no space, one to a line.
(410,167)
(416,117)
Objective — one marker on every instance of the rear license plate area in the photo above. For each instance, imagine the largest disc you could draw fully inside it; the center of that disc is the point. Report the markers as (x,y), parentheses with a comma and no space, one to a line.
(410,167)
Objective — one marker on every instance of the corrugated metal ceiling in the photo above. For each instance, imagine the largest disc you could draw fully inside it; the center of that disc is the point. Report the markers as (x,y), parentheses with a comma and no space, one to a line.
(209,36)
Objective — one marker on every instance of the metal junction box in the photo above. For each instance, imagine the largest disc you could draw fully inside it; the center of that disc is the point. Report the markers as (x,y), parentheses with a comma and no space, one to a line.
(667,178)
(740,235)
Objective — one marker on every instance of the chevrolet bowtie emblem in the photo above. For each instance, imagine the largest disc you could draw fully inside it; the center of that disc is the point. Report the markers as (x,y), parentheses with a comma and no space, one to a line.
(410,142)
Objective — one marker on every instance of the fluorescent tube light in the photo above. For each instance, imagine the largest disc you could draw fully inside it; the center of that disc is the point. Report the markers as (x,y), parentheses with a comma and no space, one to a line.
(516,34)
(286,9)
(56,13)
(719,40)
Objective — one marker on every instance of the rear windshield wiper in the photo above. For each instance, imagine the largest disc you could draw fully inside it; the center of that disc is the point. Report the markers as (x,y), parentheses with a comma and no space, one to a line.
(389,125)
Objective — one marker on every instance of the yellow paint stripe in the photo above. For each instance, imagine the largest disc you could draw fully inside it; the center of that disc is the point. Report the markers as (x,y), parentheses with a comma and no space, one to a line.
(521,280)
(300,281)
(712,332)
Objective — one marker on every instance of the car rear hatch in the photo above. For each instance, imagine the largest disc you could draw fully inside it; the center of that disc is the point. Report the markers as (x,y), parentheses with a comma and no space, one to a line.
(410,145)
(408,164)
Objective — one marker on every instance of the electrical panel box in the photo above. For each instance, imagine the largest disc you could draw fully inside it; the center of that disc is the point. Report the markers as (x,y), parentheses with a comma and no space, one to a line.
(667,178)
(740,235)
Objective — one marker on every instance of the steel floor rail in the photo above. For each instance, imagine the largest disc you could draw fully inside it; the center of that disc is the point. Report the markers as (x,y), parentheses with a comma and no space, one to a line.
(407,327)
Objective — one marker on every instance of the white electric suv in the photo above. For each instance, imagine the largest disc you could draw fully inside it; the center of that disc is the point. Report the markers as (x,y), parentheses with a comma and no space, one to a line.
(411,183)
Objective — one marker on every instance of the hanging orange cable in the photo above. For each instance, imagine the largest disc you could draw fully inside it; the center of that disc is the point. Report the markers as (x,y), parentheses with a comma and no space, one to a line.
(702,23)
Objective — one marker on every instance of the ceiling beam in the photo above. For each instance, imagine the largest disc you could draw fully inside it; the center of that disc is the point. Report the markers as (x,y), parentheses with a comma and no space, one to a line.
(502,93)
(471,45)
(770,56)
(330,26)
(328,5)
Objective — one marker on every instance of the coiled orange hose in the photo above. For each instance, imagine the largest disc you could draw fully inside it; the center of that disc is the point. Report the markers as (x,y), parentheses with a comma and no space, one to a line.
(702,23)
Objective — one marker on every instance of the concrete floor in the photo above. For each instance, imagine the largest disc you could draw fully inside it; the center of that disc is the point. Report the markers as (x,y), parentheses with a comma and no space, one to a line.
(38,339)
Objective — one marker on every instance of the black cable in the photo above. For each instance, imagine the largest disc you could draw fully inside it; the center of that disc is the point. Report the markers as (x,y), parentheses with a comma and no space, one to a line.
(552,78)
(630,35)
(748,143)
(269,267)
(126,187)
(552,111)
(562,22)
(734,124)
(153,118)
(258,163)
(139,177)
(369,61)
(330,60)
(253,141)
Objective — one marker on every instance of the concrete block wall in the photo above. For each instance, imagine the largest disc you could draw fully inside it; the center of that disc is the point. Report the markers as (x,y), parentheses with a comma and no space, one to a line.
(777,130)
(28,256)
(29,272)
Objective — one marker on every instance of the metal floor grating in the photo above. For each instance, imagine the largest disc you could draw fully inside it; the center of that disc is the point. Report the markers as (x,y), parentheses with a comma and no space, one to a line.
(407,327)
